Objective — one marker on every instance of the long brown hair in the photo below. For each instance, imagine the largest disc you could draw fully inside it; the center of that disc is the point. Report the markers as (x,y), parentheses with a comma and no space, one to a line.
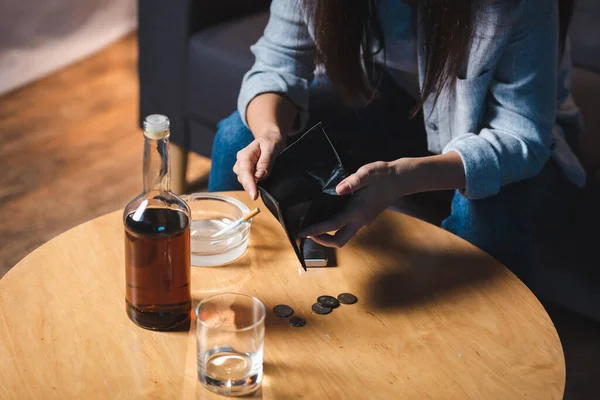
(343,29)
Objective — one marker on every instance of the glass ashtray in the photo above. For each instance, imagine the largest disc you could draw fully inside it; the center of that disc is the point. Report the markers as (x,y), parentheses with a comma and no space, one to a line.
(210,214)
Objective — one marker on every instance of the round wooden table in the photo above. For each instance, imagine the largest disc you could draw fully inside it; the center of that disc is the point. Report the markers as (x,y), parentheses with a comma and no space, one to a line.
(436,318)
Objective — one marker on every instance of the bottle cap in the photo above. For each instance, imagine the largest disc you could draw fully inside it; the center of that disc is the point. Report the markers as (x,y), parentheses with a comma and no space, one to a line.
(156,126)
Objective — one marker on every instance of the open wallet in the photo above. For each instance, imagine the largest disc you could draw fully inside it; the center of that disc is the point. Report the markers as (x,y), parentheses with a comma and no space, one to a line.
(300,191)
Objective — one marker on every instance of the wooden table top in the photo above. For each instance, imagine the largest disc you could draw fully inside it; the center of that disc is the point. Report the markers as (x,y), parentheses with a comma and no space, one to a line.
(436,318)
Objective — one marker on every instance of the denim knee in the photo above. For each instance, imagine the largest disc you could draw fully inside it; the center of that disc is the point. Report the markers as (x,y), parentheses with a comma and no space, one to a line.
(232,136)
(231,132)
(498,226)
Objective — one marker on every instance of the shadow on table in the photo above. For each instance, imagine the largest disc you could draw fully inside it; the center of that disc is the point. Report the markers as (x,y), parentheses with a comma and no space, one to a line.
(414,273)
(426,283)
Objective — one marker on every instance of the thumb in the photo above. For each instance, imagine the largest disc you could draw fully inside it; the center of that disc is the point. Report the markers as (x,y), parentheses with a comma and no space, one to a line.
(363,177)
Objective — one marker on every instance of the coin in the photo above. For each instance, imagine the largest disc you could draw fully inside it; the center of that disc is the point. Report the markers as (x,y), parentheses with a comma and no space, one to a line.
(319,309)
(328,301)
(297,322)
(347,298)
(283,310)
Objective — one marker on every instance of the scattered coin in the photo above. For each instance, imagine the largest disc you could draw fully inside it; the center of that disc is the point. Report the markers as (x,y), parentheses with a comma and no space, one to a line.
(347,298)
(297,322)
(328,301)
(283,310)
(319,309)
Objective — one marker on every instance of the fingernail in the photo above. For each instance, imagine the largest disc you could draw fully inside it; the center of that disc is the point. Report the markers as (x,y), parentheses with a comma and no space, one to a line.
(343,188)
(260,174)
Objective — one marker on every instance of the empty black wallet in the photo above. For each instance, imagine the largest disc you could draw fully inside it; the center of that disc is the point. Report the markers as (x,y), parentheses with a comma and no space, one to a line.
(300,191)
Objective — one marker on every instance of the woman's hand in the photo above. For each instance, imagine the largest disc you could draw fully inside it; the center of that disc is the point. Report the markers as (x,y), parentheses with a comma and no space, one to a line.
(270,118)
(377,186)
(254,162)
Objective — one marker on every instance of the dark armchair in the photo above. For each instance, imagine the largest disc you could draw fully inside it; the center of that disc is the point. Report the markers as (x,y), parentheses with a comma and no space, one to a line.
(192,57)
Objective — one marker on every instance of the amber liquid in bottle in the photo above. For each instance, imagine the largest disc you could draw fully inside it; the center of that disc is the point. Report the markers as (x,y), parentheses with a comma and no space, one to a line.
(157,241)
(157,258)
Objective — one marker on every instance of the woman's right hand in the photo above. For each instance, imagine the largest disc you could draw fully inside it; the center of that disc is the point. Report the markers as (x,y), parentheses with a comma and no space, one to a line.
(254,162)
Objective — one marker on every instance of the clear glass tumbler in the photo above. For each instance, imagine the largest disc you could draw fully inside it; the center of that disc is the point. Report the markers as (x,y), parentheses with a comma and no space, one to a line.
(230,334)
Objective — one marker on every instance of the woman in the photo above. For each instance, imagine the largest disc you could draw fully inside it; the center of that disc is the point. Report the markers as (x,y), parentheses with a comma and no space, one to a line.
(486,82)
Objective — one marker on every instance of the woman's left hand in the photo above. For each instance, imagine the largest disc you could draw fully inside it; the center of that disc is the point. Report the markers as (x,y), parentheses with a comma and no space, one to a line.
(377,186)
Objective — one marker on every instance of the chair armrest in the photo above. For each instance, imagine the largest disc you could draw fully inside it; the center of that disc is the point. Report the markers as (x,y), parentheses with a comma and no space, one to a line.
(164,29)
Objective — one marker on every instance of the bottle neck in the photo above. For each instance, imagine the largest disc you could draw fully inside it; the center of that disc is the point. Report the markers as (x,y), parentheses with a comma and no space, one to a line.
(156,165)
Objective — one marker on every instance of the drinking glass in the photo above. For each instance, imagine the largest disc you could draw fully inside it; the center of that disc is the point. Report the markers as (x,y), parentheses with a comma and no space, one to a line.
(230,334)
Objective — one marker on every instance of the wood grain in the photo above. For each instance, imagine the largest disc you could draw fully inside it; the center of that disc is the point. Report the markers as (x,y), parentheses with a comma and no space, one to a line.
(436,318)
(70,150)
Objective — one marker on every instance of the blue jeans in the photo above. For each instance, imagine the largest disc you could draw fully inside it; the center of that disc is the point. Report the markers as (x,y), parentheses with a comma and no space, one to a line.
(502,225)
